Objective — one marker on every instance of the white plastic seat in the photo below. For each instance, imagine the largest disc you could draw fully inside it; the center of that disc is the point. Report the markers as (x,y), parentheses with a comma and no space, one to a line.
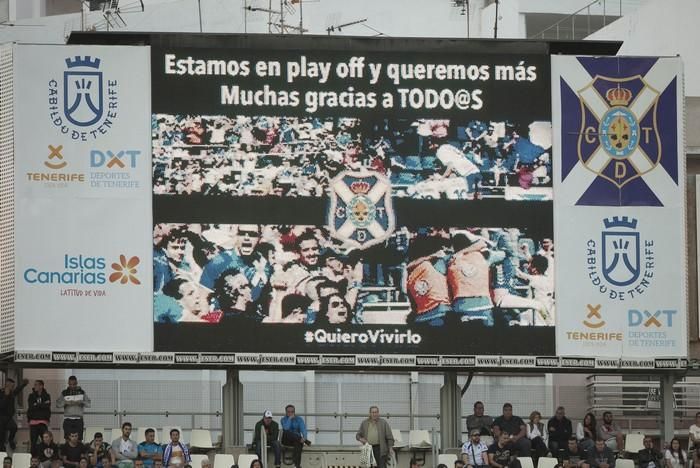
(165,437)
(448,459)
(141,434)
(89,434)
(201,438)
(488,440)
(545,462)
(21,460)
(398,439)
(223,460)
(526,462)
(634,443)
(245,459)
(624,463)
(197,460)
(419,438)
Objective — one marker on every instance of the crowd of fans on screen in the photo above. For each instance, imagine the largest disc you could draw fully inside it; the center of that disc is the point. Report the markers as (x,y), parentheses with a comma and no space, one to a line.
(299,274)
(298,156)
(588,444)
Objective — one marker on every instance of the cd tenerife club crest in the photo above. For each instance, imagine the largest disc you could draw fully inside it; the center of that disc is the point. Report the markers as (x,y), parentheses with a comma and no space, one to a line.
(360,211)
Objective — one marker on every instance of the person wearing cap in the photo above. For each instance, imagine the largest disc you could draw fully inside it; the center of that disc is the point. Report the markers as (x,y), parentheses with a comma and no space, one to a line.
(475,452)
(272,430)
(376,432)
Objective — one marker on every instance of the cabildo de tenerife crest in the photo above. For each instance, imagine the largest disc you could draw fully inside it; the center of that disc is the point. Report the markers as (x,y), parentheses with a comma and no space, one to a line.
(83,101)
(615,127)
(360,212)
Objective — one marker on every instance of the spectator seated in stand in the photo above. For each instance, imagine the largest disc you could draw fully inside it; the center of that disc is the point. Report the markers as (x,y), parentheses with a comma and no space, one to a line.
(72,451)
(124,449)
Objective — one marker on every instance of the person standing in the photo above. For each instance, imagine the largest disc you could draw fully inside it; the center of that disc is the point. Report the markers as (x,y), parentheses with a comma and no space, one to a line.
(8,426)
(272,430)
(38,413)
(376,432)
(73,400)
(294,433)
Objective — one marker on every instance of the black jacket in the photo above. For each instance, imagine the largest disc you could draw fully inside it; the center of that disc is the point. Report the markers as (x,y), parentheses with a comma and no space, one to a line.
(39,406)
(650,455)
(7,402)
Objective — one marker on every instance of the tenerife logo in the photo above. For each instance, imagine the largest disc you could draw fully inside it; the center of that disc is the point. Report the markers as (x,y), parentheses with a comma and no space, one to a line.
(619,139)
(84,270)
(125,271)
(594,319)
(594,335)
(621,265)
(55,152)
(85,106)
(360,211)
(56,178)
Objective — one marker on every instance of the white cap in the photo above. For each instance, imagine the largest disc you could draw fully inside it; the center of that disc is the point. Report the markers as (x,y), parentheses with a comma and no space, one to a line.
(267,414)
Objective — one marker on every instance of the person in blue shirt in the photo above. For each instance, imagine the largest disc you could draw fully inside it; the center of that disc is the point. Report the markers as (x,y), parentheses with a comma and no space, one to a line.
(149,450)
(294,433)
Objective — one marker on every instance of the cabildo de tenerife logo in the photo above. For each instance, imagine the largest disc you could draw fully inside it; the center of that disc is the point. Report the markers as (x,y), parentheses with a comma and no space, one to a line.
(83,102)
(85,270)
(620,264)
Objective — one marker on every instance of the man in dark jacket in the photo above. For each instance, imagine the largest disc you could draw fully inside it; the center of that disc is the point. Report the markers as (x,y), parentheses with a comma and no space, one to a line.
(38,413)
(272,431)
(8,426)
(601,456)
(649,457)
(559,428)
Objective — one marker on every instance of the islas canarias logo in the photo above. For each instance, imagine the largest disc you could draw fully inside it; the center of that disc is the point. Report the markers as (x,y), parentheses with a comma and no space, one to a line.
(125,271)
(85,270)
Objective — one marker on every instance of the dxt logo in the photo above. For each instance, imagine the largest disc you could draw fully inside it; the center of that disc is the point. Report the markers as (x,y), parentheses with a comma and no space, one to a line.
(645,318)
(114,160)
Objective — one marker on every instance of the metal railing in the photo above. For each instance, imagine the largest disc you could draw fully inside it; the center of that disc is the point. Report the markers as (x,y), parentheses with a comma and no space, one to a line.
(560,29)
(127,416)
(629,400)
(343,428)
